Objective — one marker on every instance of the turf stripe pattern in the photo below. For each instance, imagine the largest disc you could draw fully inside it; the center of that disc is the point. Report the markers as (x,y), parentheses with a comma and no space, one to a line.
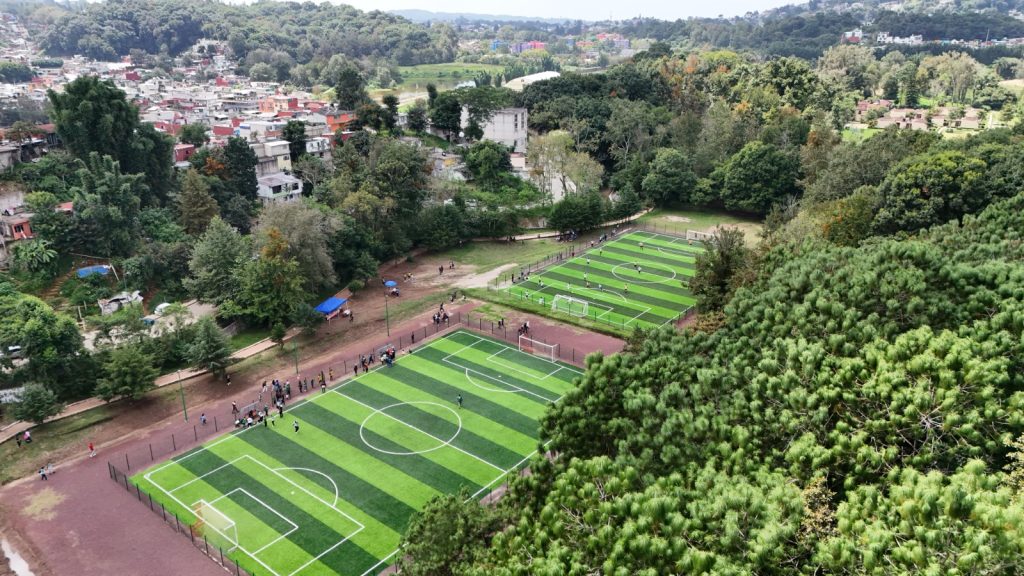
(334,497)
(639,279)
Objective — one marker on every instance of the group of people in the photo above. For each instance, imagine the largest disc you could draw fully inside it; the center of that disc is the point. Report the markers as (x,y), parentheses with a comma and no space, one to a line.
(280,392)
(440,317)
(25,437)
(388,356)
(524,330)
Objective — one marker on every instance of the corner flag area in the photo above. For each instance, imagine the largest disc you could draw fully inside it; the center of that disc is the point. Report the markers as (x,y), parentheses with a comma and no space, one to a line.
(334,497)
(638,279)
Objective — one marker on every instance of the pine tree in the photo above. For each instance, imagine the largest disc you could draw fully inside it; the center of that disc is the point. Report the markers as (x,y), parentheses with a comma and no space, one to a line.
(196,207)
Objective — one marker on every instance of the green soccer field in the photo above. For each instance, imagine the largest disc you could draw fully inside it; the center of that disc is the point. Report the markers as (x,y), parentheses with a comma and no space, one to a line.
(334,497)
(638,279)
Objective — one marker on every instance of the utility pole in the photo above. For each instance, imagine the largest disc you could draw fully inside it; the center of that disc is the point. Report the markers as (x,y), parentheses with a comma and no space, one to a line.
(295,354)
(181,389)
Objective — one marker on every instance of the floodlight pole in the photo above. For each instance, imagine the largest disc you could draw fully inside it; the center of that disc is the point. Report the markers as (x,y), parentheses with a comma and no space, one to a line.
(181,389)
(295,354)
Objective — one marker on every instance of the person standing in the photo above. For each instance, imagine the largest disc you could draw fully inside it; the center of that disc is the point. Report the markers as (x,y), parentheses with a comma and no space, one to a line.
(42,473)
(330,374)
(202,418)
(295,424)
(92,450)
(234,407)
(458,400)
(49,468)
(323,389)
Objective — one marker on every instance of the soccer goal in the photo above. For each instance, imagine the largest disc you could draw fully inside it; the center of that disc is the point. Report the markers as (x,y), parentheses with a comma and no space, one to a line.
(537,348)
(570,305)
(215,526)
(699,236)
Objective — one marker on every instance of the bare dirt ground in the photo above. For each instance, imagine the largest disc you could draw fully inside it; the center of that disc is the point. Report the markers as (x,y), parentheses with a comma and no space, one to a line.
(751,231)
(80,522)
(673,218)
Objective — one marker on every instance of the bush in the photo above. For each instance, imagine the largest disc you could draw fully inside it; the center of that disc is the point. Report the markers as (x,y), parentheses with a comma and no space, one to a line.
(356,285)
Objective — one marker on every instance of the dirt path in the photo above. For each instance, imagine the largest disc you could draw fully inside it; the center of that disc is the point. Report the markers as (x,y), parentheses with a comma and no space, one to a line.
(80,522)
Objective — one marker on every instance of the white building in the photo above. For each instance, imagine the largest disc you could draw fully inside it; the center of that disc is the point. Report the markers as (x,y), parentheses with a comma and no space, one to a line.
(319,147)
(506,126)
(518,84)
(279,188)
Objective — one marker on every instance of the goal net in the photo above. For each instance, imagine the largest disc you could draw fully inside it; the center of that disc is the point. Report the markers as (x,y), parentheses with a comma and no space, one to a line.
(537,348)
(215,526)
(570,305)
(699,236)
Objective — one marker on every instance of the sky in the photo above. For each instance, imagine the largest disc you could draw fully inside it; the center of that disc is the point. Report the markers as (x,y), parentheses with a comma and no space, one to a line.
(582,9)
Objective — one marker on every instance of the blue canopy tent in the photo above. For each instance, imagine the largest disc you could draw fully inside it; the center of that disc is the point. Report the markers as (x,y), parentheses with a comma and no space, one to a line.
(331,307)
(90,270)
(391,283)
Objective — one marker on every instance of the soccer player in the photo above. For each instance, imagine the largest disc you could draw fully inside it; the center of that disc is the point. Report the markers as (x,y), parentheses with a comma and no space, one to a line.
(458,400)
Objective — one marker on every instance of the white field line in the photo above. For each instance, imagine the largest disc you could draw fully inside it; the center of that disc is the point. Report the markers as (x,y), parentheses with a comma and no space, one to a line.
(425,433)
(149,475)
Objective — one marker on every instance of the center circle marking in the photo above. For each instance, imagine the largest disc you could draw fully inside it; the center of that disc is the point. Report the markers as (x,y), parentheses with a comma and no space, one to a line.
(383,411)
(661,279)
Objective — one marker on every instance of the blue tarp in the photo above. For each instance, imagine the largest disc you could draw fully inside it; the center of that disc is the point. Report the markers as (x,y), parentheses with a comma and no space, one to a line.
(391,283)
(331,305)
(90,270)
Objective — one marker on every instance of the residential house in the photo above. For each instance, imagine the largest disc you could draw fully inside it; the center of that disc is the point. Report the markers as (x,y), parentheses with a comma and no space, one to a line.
(272,157)
(279,188)
(182,152)
(319,147)
(865,107)
(278,103)
(9,156)
(338,119)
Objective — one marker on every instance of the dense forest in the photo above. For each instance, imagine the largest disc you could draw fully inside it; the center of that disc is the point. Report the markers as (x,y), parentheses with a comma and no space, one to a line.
(849,413)
(942,26)
(846,402)
(805,35)
(297,33)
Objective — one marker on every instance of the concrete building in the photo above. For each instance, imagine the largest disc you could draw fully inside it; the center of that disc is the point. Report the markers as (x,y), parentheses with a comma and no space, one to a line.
(507,126)
(319,147)
(279,188)
(272,157)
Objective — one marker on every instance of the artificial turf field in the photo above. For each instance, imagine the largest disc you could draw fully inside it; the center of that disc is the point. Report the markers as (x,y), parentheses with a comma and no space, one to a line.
(334,497)
(657,292)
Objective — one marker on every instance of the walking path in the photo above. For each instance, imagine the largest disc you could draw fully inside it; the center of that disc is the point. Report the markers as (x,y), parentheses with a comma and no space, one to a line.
(19,426)
(80,522)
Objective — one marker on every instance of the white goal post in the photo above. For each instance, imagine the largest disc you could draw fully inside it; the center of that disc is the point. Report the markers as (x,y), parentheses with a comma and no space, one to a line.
(569,305)
(537,348)
(699,236)
(215,525)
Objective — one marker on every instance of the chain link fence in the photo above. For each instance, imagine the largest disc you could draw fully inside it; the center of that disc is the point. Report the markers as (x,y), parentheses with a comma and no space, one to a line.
(184,528)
